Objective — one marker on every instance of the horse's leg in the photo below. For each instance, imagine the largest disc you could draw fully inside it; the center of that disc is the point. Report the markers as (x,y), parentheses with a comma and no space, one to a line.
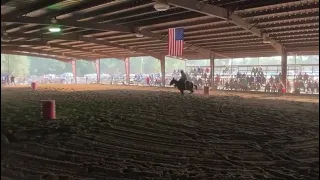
(181,91)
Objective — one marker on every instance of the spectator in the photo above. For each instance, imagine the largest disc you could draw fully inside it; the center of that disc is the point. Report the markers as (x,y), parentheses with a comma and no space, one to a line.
(12,80)
(305,77)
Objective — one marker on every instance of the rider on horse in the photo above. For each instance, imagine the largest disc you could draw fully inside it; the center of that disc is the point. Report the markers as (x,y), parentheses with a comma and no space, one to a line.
(183,77)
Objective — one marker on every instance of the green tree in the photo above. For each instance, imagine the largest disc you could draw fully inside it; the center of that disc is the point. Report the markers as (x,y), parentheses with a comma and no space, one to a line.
(173,64)
(112,66)
(41,66)
(15,65)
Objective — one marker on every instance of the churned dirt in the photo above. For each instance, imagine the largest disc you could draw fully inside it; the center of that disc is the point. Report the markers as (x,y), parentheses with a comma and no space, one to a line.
(120,132)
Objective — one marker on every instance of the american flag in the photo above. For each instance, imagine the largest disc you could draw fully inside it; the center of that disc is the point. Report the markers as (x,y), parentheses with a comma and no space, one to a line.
(175,45)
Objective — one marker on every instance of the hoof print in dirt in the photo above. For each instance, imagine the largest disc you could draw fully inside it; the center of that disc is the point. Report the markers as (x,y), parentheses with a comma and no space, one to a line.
(148,134)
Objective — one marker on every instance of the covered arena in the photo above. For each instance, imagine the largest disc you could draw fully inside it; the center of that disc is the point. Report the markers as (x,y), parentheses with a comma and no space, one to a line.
(129,132)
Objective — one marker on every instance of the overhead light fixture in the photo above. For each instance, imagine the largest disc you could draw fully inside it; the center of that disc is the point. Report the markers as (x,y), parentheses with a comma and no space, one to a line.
(161,5)
(54,28)
(138,35)
(266,42)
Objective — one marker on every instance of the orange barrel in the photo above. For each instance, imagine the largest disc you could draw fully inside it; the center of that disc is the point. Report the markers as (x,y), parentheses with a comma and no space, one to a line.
(206,90)
(48,109)
(33,85)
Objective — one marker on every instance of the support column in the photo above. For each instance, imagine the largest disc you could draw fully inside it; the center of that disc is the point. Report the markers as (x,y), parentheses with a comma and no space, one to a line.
(127,69)
(284,66)
(97,66)
(74,70)
(163,70)
(212,68)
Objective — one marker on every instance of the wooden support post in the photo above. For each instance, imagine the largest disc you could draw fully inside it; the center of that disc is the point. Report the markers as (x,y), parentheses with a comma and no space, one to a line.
(212,69)
(97,66)
(127,69)
(163,70)
(74,70)
(284,66)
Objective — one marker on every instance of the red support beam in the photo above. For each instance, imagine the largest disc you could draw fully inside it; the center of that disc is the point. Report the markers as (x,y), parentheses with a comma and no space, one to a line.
(127,69)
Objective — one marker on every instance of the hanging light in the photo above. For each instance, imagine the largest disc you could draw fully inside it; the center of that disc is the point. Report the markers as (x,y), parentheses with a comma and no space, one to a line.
(161,5)
(138,35)
(54,27)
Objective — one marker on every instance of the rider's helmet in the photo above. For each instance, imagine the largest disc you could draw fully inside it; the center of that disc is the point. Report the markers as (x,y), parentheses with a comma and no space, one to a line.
(181,71)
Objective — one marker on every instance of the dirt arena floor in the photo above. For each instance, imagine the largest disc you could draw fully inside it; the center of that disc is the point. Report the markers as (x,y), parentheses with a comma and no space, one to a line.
(118,132)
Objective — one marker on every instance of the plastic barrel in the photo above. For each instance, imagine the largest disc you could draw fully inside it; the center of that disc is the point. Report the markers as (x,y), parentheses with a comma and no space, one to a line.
(48,109)
(33,85)
(206,90)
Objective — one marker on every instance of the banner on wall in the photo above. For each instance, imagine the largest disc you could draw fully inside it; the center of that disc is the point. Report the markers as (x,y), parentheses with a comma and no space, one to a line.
(127,68)
(97,67)
(74,70)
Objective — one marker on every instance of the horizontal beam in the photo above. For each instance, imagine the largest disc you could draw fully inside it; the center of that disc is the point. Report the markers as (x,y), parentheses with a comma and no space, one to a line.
(54,45)
(293,49)
(34,55)
(67,23)
(23,9)
(24,49)
(201,7)
(75,37)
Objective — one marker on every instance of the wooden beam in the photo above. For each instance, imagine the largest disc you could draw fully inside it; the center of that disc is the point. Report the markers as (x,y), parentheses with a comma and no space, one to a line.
(24,49)
(67,23)
(216,11)
(54,45)
(34,55)
(75,37)
(104,27)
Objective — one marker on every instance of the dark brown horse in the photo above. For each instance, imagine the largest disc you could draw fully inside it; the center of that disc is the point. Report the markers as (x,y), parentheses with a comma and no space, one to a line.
(183,86)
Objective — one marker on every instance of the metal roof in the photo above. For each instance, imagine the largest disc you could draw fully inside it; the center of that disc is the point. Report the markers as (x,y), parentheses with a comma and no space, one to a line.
(106,28)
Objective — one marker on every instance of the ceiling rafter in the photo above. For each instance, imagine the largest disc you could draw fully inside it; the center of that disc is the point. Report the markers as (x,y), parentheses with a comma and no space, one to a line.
(20,11)
(66,11)
(54,45)
(31,50)
(67,23)
(110,27)
(75,37)
(20,53)
(216,11)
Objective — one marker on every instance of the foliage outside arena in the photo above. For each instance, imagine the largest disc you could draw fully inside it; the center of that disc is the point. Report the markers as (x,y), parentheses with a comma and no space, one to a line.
(23,65)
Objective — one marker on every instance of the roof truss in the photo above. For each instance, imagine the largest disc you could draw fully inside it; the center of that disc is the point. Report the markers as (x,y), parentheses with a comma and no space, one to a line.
(216,11)
(27,49)
(20,53)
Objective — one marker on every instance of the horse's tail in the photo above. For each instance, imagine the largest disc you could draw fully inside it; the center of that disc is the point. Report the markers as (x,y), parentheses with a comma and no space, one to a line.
(195,86)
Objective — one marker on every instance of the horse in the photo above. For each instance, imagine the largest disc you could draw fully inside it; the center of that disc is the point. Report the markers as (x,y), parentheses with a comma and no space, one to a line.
(183,86)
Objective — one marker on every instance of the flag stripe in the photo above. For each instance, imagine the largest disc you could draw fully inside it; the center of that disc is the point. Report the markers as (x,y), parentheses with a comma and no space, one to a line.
(176,41)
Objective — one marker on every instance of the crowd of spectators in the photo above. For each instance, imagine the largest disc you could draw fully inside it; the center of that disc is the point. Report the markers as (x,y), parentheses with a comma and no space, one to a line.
(255,80)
